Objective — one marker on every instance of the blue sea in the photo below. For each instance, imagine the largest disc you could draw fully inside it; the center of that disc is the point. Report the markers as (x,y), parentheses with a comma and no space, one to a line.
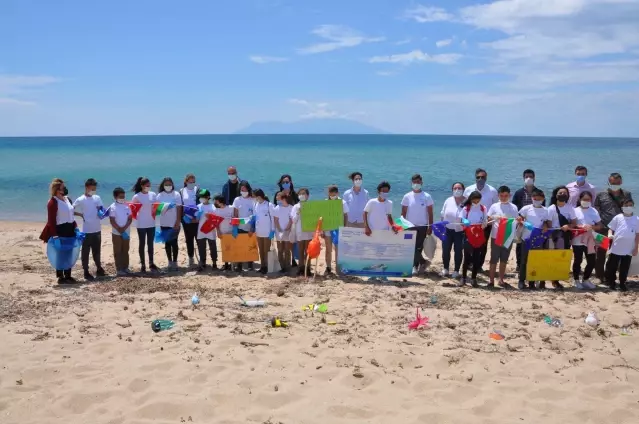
(314,161)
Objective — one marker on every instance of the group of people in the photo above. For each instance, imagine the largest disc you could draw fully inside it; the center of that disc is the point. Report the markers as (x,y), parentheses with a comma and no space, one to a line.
(575,214)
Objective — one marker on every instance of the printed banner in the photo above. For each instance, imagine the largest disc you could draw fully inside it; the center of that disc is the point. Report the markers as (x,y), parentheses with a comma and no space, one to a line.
(331,211)
(240,249)
(383,254)
(548,265)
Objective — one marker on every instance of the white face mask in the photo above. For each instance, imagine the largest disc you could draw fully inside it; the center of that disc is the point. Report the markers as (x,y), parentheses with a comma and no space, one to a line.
(205,201)
(244,193)
(303,198)
(537,203)
(628,210)
(458,193)
(504,202)
(121,201)
(232,177)
(190,186)
(92,193)
(145,190)
(476,205)
(615,187)
(333,197)
(417,186)
(168,188)
(529,181)
(585,204)
(357,183)
(260,200)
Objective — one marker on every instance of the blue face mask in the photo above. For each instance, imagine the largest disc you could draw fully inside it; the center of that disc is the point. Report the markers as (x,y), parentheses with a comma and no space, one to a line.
(383,195)
(581,179)
(286,186)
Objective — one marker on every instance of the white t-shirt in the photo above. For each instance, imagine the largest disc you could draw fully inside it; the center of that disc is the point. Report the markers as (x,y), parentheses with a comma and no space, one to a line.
(65,211)
(189,196)
(356,202)
(588,216)
(145,218)
(417,204)
(283,215)
(625,228)
(227,213)
(378,214)
(297,222)
(451,212)
(536,216)
(488,195)
(168,218)
(89,206)
(245,207)
(263,218)
(566,210)
(121,213)
(475,215)
(501,210)
(204,210)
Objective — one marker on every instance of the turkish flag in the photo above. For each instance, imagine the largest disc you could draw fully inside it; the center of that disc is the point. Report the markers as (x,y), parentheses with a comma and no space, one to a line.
(135,209)
(475,235)
(211,223)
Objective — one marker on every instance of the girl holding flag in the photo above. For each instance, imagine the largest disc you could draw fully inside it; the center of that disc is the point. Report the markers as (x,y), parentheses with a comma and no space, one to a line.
(190,200)
(454,231)
(562,215)
(205,208)
(145,221)
(474,217)
(583,245)
(170,216)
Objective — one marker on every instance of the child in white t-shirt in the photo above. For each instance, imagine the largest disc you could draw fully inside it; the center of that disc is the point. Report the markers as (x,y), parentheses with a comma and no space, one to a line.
(378,213)
(170,218)
(88,206)
(500,254)
(535,215)
(474,216)
(563,218)
(205,208)
(225,229)
(282,223)
(589,220)
(624,232)
(333,194)
(120,217)
(264,229)
(301,237)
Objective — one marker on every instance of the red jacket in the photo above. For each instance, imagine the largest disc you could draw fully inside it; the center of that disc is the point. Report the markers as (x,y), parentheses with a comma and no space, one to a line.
(49,229)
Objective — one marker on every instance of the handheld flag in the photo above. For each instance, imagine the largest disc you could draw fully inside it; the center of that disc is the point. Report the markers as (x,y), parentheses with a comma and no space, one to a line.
(537,238)
(211,223)
(601,241)
(158,209)
(475,235)
(439,230)
(190,213)
(135,209)
(506,229)
(402,223)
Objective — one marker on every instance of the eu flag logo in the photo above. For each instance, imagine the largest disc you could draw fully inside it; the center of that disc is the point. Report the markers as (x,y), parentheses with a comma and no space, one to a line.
(408,236)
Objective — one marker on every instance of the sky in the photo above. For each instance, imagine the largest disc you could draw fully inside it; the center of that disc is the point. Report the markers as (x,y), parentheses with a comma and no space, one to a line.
(506,67)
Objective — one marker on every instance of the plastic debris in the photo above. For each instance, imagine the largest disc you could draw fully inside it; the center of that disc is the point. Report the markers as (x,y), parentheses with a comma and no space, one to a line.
(195,300)
(496,335)
(161,325)
(277,322)
(419,321)
(592,319)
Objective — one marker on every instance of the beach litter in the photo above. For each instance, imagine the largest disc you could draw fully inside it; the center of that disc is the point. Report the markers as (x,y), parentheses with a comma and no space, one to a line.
(195,300)
(253,303)
(553,322)
(496,335)
(322,308)
(276,322)
(592,319)
(419,321)
(161,325)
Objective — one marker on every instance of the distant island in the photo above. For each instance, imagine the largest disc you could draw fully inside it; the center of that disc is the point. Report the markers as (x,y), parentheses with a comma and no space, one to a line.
(310,126)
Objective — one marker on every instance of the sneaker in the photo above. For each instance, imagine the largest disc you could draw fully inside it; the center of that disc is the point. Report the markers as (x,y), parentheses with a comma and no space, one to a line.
(490,285)
(143,269)
(521,285)
(121,273)
(444,273)
(473,283)
(542,285)
(127,271)
(415,271)
(454,275)
(191,262)
(623,287)
(214,266)
(461,282)
(328,271)
(579,285)
(200,268)
(154,269)
(588,285)
(100,272)
(421,269)
(88,276)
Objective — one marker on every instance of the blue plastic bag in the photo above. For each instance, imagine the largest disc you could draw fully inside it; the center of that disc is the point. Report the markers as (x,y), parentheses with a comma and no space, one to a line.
(63,252)
(162,236)
(335,237)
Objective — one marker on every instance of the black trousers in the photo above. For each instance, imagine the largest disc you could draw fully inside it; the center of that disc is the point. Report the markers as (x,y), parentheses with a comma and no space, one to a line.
(518,254)
(579,253)
(419,245)
(64,230)
(620,263)
(190,234)
(92,244)
(472,259)
(146,235)
(171,246)
(600,260)
(484,248)
(201,248)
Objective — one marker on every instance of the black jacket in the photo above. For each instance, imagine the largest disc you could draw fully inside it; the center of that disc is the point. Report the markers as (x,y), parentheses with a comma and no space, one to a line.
(518,198)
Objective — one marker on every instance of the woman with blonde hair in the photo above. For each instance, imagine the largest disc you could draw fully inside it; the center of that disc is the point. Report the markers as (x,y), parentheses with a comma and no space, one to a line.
(60,223)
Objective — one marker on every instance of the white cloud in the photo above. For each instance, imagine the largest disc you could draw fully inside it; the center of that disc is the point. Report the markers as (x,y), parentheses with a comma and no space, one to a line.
(338,37)
(417,56)
(267,59)
(424,14)
(444,43)
(316,109)
(404,41)
(15,102)
(16,85)
(386,73)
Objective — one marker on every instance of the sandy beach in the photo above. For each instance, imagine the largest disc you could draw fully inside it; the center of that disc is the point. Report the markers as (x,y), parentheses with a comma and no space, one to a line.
(87,354)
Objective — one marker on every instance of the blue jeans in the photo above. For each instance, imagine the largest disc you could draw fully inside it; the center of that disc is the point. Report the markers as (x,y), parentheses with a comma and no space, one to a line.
(453,238)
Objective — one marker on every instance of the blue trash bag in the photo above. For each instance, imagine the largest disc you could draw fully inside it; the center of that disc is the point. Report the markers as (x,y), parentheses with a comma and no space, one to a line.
(296,252)
(162,236)
(63,252)
(335,237)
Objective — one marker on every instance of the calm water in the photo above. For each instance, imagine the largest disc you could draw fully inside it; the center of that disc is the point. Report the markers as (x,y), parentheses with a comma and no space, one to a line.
(314,161)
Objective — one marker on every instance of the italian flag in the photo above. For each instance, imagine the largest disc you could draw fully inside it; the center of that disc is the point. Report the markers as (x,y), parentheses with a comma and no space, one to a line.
(158,209)
(601,241)
(506,232)
(241,221)
(402,223)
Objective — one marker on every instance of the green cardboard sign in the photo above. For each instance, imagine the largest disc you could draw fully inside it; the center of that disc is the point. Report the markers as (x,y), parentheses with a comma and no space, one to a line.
(331,211)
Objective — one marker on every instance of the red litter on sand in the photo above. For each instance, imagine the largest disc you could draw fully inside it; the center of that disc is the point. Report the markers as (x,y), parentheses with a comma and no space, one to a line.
(419,321)
(496,335)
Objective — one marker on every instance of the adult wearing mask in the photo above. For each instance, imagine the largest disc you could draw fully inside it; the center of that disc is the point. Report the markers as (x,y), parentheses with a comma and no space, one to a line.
(287,189)
(231,189)
(356,199)
(579,186)
(609,203)
(489,197)
(454,231)
(523,197)
(417,208)
(190,198)
(60,223)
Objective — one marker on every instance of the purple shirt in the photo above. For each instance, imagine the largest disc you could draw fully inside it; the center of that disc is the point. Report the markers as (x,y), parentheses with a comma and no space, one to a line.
(575,191)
